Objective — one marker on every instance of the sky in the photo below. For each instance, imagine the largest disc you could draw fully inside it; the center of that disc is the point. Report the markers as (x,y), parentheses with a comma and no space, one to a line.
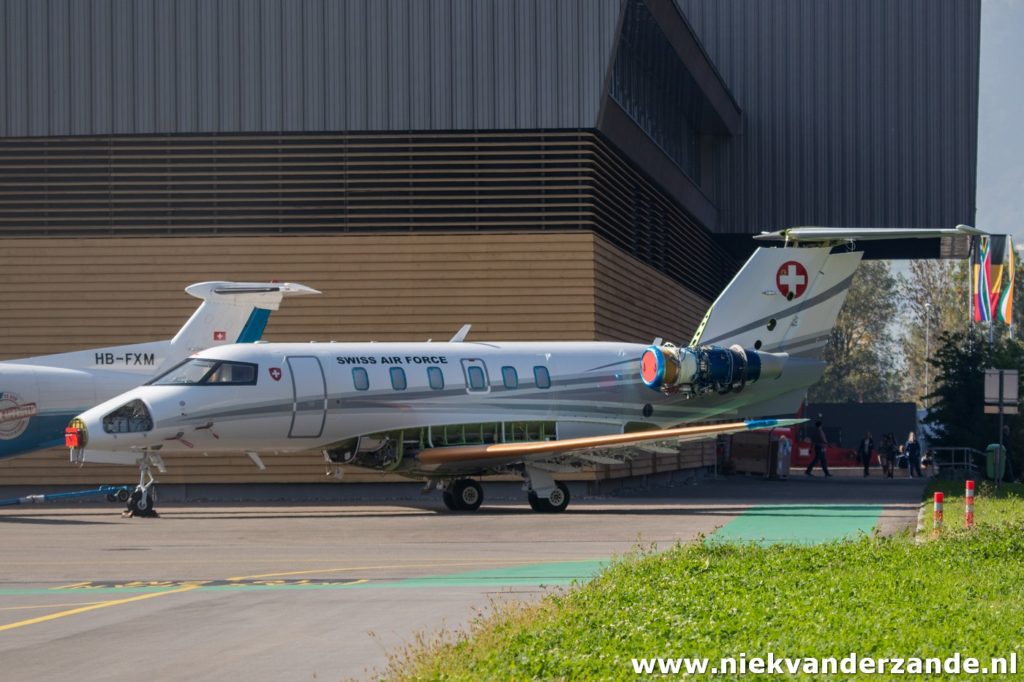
(1000,200)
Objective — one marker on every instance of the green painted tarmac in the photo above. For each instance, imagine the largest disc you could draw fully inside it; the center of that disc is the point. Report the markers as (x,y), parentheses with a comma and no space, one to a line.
(807,524)
(559,573)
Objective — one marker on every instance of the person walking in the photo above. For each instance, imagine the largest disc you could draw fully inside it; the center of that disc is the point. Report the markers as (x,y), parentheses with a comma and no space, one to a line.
(866,450)
(913,450)
(888,454)
(818,441)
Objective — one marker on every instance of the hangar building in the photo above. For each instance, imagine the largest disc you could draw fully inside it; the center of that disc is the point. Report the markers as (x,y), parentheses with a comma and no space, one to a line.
(542,169)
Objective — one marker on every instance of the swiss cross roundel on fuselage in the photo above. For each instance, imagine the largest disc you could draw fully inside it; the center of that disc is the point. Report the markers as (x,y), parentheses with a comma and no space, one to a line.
(792,277)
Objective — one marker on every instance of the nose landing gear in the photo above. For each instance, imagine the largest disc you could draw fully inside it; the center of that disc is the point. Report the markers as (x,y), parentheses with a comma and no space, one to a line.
(142,500)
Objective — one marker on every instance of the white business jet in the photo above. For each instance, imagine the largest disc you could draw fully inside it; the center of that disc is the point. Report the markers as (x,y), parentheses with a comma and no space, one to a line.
(449,412)
(39,395)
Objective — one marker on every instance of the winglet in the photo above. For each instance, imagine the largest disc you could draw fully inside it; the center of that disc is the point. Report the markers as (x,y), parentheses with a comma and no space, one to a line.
(461,335)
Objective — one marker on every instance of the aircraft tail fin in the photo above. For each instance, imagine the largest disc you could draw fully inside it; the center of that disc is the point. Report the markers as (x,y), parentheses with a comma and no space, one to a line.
(231,312)
(786,299)
(783,300)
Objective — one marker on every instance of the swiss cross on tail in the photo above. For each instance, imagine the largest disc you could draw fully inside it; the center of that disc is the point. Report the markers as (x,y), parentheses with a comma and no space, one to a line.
(791,279)
(220,336)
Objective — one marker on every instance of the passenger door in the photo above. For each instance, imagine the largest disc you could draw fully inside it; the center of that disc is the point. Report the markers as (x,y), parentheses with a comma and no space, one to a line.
(309,397)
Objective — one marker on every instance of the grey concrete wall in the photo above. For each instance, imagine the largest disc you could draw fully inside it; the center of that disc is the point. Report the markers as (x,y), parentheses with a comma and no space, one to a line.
(78,67)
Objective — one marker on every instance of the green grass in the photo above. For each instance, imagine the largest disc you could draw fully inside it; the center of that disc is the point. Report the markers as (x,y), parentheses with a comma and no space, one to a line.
(874,596)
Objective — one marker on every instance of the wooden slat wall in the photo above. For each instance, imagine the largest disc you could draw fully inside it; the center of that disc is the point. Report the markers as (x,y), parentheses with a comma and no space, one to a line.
(635,302)
(64,294)
(177,185)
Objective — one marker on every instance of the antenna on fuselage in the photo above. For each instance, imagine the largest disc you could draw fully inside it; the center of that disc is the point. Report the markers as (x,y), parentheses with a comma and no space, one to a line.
(461,335)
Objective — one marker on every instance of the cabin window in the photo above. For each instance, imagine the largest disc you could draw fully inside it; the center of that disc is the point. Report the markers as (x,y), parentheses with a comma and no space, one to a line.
(541,377)
(510,377)
(477,378)
(435,377)
(360,379)
(398,379)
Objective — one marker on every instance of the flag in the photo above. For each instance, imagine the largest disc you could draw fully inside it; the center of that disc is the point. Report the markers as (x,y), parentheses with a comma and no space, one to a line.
(1006,297)
(997,257)
(981,272)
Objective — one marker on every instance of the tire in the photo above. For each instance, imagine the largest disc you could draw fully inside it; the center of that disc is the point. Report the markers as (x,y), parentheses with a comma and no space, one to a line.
(468,494)
(449,501)
(141,505)
(555,503)
(122,495)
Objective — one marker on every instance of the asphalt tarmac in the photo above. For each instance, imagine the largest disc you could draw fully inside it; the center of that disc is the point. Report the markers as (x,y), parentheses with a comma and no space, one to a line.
(274,592)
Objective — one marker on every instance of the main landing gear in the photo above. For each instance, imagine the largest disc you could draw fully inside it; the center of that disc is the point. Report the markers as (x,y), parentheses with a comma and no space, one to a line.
(141,501)
(544,494)
(556,501)
(464,494)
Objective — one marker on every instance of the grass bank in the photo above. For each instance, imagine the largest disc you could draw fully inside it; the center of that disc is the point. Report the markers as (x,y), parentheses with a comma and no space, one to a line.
(991,507)
(879,597)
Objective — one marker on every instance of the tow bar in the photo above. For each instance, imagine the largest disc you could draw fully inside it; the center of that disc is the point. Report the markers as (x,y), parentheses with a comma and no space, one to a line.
(114,493)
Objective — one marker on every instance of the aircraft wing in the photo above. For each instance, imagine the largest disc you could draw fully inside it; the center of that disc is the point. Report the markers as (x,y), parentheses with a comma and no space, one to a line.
(589,448)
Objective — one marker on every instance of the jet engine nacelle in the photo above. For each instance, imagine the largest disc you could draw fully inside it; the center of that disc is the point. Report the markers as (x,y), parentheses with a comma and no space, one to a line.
(702,369)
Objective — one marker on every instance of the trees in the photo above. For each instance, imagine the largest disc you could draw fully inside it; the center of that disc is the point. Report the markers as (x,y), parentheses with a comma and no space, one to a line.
(934,302)
(862,353)
(957,412)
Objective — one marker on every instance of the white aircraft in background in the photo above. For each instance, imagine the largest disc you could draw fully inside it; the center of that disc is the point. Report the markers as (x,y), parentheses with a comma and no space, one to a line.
(447,412)
(39,395)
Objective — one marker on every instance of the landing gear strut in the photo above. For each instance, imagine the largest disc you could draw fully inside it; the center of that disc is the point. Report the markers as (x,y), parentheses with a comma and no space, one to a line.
(141,501)
(545,494)
(464,494)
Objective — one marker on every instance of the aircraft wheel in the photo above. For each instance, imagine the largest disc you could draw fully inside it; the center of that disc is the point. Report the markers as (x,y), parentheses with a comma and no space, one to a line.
(468,494)
(449,501)
(556,502)
(141,504)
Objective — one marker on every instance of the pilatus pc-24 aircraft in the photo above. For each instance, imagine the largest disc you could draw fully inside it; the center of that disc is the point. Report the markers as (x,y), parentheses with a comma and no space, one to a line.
(39,395)
(451,412)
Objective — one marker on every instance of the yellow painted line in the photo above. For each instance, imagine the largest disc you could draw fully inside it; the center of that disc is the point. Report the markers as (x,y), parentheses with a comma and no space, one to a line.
(93,607)
(46,606)
(64,587)
(433,564)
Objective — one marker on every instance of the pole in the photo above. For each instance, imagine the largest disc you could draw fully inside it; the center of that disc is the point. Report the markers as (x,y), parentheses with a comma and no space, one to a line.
(969,505)
(937,515)
(999,453)
(927,350)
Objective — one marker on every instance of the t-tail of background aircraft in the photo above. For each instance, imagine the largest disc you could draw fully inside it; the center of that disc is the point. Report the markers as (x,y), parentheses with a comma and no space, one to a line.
(449,412)
(39,395)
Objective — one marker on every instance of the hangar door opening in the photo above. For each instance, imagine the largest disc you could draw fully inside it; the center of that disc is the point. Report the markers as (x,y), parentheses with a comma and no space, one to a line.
(309,402)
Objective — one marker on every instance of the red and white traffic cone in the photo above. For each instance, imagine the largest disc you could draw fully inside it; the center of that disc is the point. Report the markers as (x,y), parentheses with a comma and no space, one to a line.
(937,515)
(969,505)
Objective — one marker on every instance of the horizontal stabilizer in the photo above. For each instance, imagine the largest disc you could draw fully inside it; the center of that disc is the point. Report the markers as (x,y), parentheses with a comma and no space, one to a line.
(818,235)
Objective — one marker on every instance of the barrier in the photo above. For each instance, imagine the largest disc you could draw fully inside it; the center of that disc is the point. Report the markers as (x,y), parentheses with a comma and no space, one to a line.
(937,514)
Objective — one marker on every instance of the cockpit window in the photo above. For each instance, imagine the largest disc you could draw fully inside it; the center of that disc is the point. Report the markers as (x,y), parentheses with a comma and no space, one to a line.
(205,372)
